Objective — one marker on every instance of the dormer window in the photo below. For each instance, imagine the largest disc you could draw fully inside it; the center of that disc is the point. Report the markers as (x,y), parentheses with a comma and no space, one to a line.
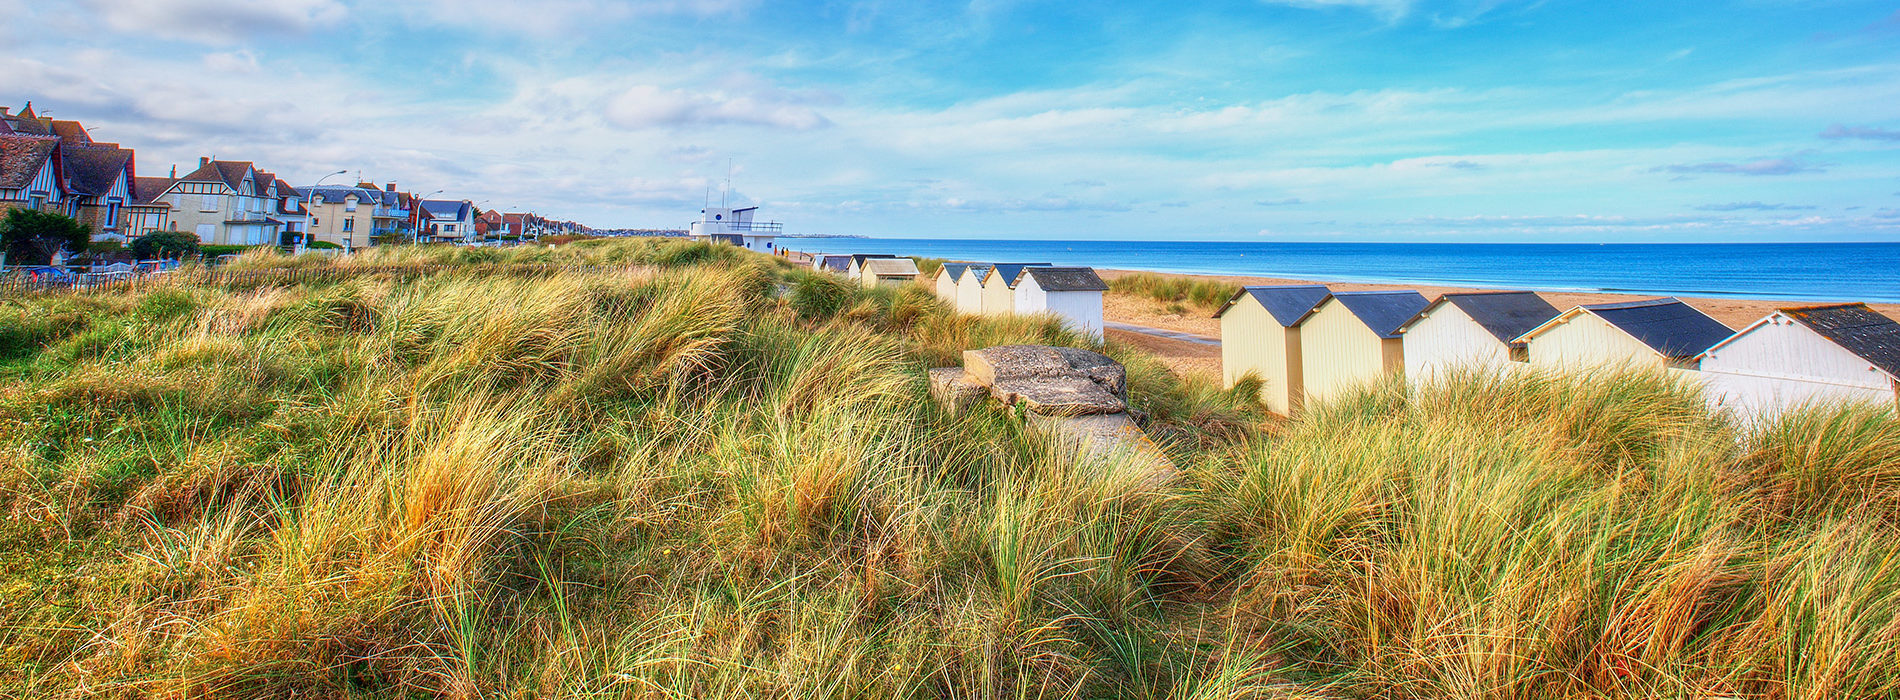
(349,203)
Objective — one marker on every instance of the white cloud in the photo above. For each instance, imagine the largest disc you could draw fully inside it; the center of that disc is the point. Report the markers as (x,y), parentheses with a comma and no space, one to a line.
(647,106)
(217,21)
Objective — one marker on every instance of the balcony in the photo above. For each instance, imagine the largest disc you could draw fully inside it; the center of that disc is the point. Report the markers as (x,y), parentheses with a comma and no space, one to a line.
(762,227)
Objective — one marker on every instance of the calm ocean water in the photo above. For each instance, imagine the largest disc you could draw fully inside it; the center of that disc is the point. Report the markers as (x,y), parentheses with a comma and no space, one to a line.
(1793,271)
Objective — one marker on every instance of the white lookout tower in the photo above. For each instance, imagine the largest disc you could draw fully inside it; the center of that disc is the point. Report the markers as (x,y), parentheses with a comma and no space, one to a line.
(736,226)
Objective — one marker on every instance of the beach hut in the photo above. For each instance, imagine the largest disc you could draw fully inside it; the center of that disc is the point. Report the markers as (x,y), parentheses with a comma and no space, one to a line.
(1352,339)
(1802,355)
(970,288)
(836,264)
(947,280)
(1258,336)
(999,287)
(857,264)
(1663,333)
(1073,294)
(1476,331)
(888,272)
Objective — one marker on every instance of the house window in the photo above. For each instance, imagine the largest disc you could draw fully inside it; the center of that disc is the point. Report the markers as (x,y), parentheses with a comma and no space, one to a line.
(349,204)
(208,202)
(448,228)
(349,225)
(112,214)
(37,201)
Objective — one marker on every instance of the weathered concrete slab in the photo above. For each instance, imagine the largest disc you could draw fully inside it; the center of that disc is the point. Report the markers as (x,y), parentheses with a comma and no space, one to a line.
(953,388)
(1050,380)
(1106,436)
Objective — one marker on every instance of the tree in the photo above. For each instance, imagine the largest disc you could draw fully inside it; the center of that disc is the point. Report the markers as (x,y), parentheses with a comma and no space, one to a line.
(32,237)
(170,245)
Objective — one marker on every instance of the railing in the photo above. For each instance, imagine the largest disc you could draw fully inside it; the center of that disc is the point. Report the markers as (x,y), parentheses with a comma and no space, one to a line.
(281,277)
(772,227)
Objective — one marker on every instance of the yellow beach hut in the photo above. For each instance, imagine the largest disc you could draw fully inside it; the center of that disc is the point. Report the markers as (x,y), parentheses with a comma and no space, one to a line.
(1352,339)
(1652,333)
(1258,336)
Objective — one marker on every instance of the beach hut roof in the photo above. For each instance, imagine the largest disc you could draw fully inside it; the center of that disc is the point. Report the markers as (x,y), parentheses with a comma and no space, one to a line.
(1287,303)
(1065,279)
(1383,312)
(890,267)
(954,270)
(861,257)
(976,271)
(1666,325)
(1011,272)
(1854,327)
(836,262)
(1506,315)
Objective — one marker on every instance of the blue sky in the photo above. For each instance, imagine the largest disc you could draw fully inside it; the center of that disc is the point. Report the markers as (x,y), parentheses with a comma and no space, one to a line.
(1363,120)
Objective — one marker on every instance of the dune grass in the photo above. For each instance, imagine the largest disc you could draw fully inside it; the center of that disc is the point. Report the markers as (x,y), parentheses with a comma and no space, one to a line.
(712,475)
(1178,293)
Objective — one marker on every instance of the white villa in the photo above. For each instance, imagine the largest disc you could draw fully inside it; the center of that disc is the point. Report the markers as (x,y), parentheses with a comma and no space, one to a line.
(736,226)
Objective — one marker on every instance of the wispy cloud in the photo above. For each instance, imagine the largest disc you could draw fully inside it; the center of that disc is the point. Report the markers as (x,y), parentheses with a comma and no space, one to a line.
(217,21)
(1754,206)
(1286,202)
(1757,167)
(646,106)
(1842,131)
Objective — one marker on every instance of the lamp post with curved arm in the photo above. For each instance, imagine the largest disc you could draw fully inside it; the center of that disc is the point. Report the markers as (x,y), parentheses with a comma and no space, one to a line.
(303,241)
(415,237)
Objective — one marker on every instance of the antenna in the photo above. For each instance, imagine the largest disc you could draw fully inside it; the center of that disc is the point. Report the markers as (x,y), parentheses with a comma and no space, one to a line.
(723,196)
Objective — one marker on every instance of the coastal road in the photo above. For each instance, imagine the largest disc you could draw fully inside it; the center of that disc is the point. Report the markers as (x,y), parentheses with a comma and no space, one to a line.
(1163,333)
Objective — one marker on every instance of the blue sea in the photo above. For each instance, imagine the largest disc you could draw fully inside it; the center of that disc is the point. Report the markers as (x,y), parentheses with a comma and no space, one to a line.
(1791,271)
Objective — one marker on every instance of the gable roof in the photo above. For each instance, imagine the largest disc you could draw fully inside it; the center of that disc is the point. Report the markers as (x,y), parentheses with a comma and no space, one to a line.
(21,157)
(859,258)
(836,262)
(1383,312)
(146,190)
(1665,325)
(976,271)
(952,269)
(890,267)
(1286,303)
(229,172)
(91,170)
(1064,279)
(449,208)
(1010,272)
(70,131)
(1506,315)
(1855,327)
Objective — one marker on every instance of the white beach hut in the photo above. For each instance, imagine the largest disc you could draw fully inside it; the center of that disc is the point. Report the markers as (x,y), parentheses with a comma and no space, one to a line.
(1258,337)
(1653,333)
(970,288)
(888,272)
(1073,294)
(1803,355)
(1471,331)
(999,287)
(835,264)
(1352,339)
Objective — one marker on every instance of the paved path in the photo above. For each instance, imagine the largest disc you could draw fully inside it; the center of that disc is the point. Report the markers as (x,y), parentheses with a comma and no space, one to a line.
(1163,333)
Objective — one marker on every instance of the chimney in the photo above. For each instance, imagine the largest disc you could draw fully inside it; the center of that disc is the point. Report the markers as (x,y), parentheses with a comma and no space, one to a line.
(391,187)
(3,111)
(174,171)
(203,161)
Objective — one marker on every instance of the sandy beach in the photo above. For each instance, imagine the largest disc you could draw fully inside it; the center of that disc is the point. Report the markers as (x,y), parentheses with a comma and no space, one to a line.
(1203,359)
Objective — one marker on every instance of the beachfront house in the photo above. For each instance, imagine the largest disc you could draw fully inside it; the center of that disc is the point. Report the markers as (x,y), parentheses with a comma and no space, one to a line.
(888,272)
(1259,336)
(946,282)
(857,264)
(737,227)
(446,220)
(1653,333)
(999,287)
(1352,339)
(970,288)
(1073,294)
(1474,331)
(1802,355)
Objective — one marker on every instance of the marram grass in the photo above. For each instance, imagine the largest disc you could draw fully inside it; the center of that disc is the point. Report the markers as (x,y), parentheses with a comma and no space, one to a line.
(689,471)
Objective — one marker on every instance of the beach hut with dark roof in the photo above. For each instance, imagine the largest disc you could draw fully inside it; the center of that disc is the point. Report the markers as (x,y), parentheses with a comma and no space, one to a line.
(1073,294)
(1352,339)
(1633,334)
(836,264)
(946,281)
(1474,331)
(1801,355)
(999,287)
(888,272)
(1259,336)
(970,288)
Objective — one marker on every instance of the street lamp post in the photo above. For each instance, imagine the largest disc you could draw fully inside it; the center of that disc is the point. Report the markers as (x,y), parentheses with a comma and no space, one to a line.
(303,241)
(415,238)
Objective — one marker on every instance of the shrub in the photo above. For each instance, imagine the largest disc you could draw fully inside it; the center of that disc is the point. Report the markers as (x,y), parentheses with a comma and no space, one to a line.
(31,237)
(322,245)
(166,244)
